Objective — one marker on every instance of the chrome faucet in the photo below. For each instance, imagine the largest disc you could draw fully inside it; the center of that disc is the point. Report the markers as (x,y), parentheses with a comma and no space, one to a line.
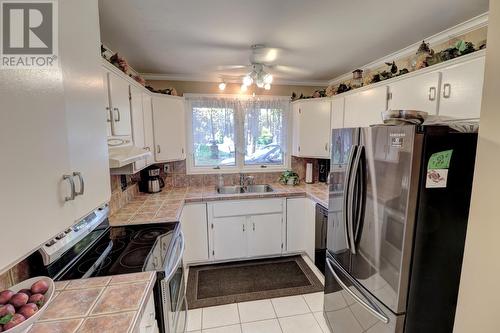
(246,180)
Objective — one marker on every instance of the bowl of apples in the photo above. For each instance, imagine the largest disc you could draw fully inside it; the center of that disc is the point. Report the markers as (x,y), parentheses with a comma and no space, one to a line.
(24,303)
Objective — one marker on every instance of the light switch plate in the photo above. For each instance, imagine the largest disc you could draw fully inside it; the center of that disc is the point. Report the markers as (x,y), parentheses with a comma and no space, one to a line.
(166,168)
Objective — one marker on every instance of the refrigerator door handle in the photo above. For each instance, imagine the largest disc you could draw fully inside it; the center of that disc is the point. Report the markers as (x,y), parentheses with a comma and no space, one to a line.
(361,195)
(345,204)
(350,199)
(375,311)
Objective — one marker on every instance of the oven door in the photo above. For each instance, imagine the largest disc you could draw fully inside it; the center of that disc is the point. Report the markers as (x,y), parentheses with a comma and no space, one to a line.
(173,287)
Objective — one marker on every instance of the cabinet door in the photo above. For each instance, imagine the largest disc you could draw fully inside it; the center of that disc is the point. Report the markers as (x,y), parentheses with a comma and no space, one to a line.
(169,124)
(462,90)
(365,108)
(314,129)
(194,226)
(296,128)
(120,105)
(337,113)
(137,124)
(148,126)
(416,93)
(264,235)
(229,238)
(86,123)
(300,223)
(107,104)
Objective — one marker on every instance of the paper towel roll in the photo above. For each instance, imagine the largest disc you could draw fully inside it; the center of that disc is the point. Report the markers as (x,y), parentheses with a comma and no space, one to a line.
(309,173)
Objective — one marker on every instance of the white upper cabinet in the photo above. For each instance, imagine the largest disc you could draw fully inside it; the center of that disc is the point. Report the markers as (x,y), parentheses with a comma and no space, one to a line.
(337,113)
(137,115)
(311,128)
(419,93)
(147,110)
(169,128)
(462,89)
(365,108)
(86,123)
(48,117)
(119,100)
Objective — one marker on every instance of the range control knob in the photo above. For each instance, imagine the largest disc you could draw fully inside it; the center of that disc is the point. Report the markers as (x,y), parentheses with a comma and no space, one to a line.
(67,231)
(61,235)
(50,242)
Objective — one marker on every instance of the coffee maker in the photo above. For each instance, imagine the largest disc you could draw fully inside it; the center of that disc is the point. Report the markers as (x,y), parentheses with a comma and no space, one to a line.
(323,170)
(151,182)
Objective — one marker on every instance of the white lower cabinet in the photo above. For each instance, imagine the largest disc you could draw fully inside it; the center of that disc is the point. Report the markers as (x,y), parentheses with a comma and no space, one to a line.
(300,225)
(246,229)
(229,238)
(148,323)
(264,234)
(194,227)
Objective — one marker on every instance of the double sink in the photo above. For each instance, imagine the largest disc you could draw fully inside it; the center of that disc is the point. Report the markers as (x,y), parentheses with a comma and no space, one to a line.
(237,189)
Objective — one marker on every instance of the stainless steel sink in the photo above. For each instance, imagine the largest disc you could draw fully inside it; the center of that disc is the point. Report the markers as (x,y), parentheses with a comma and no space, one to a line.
(258,188)
(236,189)
(230,189)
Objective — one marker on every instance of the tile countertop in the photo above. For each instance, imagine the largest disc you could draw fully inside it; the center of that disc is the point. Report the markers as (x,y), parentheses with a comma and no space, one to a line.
(102,304)
(166,206)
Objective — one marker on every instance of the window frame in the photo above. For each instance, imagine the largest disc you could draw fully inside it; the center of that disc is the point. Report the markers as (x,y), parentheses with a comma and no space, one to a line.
(240,166)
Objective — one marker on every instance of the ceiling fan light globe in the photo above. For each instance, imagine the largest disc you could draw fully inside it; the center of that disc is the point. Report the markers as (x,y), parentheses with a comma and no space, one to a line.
(243,88)
(268,79)
(247,80)
(260,84)
(222,86)
(267,86)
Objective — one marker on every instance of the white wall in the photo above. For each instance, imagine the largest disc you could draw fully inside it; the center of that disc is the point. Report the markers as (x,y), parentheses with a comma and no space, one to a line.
(479,299)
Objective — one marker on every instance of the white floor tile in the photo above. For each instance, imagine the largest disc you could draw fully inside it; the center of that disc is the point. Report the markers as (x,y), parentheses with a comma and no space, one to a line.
(194,320)
(290,306)
(224,329)
(256,310)
(315,301)
(222,315)
(300,324)
(344,321)
(320,318)
(266,326)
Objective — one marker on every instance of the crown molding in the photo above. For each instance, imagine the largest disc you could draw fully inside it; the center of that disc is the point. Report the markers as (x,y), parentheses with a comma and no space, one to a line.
(212,79)
(475,23)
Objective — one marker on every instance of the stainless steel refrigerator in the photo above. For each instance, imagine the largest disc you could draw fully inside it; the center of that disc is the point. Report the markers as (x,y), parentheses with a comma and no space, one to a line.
(397,219)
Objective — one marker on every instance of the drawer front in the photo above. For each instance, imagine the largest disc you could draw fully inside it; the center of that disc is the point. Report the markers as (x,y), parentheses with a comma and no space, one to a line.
(247,207)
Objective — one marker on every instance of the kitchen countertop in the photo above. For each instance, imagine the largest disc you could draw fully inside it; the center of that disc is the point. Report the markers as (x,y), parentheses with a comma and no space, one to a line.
(167,205)
(101,304)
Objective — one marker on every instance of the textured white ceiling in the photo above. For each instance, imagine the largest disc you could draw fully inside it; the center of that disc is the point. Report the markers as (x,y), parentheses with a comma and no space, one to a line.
(322,38)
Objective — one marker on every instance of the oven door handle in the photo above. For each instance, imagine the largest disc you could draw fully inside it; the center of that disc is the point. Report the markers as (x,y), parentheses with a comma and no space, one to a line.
(170,270)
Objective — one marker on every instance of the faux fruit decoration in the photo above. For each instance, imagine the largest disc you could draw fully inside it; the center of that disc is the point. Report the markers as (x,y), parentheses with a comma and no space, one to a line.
(17,307)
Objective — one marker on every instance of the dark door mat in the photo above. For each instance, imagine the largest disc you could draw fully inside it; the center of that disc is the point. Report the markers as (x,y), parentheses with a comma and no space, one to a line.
(226,283)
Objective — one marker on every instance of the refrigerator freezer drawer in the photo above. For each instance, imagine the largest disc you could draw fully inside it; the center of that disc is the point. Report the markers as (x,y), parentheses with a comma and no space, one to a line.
(349,308)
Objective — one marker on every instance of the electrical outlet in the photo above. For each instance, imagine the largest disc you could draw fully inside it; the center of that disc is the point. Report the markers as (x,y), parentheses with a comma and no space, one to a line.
(166,168)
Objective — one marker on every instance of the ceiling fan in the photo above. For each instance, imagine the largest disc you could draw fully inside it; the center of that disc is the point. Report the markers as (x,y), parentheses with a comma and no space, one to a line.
(262,66)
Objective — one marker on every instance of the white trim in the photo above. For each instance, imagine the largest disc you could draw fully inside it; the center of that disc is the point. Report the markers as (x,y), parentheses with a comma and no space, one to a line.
(239,158)
(475,23)
(216,79)
(238,96)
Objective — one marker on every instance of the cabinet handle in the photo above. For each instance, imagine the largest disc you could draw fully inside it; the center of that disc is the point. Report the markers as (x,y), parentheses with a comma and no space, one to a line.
(118,117)
(432,93)
(158,149)
(243,228)
(147,148)
(82,183)
(69,178)
(182,151)
(326,146)
(447,90)
(108,113)
(253,226)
